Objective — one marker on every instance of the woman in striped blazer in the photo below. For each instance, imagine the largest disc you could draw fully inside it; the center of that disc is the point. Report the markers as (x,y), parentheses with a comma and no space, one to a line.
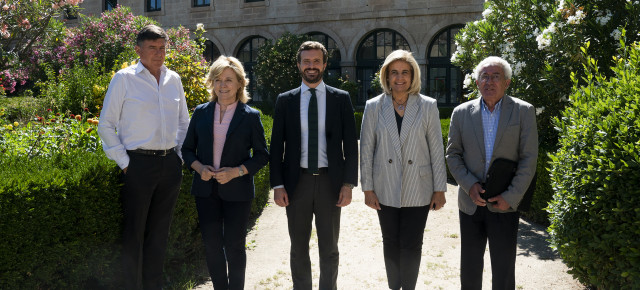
(402,165)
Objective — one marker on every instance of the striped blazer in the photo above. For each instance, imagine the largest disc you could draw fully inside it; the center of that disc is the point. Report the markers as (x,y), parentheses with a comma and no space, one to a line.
(403,170)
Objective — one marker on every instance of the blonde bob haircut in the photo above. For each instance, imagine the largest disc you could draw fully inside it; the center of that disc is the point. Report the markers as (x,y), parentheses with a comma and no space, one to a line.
(406,56)
(217,67)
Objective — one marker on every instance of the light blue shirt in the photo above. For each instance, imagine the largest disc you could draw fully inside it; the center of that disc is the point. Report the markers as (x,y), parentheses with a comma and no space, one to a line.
(490,127)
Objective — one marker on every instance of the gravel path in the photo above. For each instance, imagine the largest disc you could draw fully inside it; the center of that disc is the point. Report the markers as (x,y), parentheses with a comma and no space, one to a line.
(361,259)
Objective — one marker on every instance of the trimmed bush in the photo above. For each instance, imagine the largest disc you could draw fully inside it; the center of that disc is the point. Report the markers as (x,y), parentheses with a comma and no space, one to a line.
(60,221)
(595,173)
(261,179)
(543,192)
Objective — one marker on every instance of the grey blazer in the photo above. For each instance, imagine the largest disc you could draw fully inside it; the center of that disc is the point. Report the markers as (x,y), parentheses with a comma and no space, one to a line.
(516,139)
(403,170)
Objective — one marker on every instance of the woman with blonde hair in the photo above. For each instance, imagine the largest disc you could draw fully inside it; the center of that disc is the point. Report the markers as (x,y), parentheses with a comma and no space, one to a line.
(402,165)
(221,135)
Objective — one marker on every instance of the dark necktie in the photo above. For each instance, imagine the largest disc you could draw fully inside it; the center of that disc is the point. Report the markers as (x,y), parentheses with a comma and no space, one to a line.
(312,161)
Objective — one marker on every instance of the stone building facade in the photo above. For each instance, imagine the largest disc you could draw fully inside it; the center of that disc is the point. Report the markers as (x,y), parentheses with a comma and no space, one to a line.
(360,33)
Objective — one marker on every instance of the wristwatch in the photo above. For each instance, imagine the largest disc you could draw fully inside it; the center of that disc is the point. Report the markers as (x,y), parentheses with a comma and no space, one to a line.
(240,171)
(349,185)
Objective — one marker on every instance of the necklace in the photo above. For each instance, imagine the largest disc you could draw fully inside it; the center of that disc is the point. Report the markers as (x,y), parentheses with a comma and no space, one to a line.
(402,106)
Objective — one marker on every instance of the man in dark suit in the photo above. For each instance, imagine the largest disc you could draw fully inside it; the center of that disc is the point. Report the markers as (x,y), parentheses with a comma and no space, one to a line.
(482,130)
(313,164)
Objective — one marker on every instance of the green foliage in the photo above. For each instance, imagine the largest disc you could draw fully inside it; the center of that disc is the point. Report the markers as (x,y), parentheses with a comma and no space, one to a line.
(541,39)
(595,173)
(276,68)
(261,179)
(444,125)
(358,116)
(22,109)
(60,221)
(51,134)
(192,74)
(543,192)
(75,89)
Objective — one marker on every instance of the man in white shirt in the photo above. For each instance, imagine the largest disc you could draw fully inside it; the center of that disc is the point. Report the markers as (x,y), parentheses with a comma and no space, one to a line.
(142,126)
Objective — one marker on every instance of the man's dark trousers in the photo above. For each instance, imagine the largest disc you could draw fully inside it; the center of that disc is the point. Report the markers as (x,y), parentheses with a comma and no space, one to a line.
(501,229)
(313,195)
(149,194)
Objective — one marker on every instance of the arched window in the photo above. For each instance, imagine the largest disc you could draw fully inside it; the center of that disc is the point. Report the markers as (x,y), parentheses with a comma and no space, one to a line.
(110,5)
(248,54)
(370,56)
(333,70)
(444,80)
(211,51)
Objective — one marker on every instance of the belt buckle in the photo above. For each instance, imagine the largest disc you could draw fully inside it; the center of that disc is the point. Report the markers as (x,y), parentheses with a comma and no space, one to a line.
(317,173)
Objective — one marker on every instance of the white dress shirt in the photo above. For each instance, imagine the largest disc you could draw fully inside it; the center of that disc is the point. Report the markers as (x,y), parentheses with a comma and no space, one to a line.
(141,113)
(305,97)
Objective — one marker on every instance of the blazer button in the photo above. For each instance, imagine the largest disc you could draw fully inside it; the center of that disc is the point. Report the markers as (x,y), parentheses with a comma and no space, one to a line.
(410,162)
(390,160)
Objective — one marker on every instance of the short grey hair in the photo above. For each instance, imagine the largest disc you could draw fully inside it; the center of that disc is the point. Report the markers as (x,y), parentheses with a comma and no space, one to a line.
(493,61)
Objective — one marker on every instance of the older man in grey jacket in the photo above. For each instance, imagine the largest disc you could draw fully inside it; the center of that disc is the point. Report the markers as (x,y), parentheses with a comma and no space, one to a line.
(483,130)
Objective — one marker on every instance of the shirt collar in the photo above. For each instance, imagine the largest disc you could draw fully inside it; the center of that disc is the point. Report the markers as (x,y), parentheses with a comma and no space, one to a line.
(497,107)
(140,67)
(320,88)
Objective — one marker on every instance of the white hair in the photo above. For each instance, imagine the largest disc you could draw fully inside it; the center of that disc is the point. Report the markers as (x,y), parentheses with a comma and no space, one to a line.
(493,61)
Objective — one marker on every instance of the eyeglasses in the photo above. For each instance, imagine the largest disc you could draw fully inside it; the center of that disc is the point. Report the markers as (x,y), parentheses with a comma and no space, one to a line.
(485,78)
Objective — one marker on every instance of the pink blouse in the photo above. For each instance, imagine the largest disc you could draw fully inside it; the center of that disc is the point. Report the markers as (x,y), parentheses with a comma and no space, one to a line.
(220,131)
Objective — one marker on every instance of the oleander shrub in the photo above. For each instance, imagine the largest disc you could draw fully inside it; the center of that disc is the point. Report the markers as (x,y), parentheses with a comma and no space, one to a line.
(595,173)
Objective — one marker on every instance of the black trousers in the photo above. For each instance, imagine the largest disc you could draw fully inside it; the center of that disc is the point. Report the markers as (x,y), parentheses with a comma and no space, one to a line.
(402,233)
(224,229)
(149,194)
(313,196)
(501,229)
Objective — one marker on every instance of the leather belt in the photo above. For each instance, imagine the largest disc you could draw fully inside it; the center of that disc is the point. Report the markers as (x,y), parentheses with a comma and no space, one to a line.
(153,152)
(321,170)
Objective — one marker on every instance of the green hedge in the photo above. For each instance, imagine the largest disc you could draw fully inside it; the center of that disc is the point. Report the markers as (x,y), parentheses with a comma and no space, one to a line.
(60,221)
(595,173)
(358,117)
(543,193)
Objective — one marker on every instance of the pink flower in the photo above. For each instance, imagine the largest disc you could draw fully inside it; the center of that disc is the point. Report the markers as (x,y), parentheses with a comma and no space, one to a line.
(5,7)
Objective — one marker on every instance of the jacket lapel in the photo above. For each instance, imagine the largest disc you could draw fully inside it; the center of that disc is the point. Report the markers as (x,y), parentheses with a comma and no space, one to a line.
(208,113)
(410,115)
(331,103)
(389,119)
(476,118)
(238,115)
(294,109)
(505,116)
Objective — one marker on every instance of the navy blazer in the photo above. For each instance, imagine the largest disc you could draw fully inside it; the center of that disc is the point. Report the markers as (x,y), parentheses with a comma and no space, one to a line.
(342,143)
(245,133)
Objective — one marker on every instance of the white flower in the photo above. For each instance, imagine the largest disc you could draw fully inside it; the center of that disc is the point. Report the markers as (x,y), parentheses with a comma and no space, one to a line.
(616,34)
(539,110)
(533,7)
(576,18)
(199,26)
(561,6)
(518,66)
(454,56)
(602,20)
(468,79)
(487,12)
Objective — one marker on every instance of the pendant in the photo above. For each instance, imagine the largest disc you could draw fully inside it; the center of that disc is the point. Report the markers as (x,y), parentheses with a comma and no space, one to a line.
(401,107)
